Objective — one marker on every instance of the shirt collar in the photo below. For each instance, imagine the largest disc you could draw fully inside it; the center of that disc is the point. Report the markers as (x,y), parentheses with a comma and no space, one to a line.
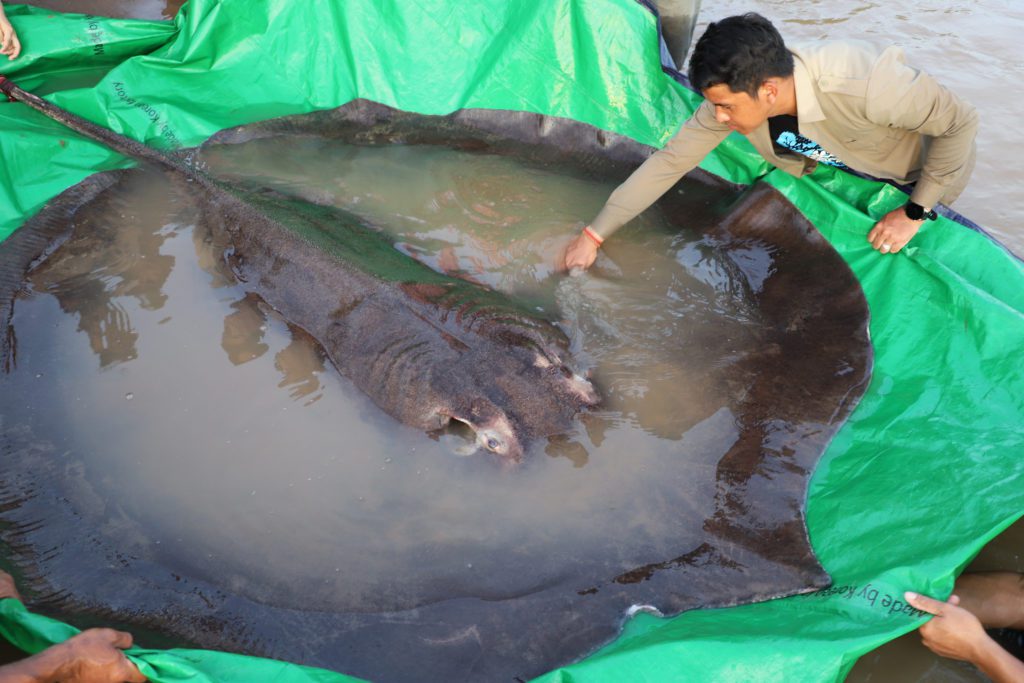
(807,108)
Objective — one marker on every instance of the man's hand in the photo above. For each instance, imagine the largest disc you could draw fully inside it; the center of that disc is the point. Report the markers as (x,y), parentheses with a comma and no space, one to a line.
(956,633)
(92,656)
(9,43)
(893,232)
(95,656)
(581,253)
(7,587)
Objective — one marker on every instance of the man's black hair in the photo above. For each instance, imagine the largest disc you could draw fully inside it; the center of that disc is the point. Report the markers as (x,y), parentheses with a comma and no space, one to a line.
(741,52)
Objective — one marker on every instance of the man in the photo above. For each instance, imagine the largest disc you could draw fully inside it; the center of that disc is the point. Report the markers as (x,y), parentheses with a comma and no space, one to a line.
(843,103)
(9,43)
(92,656)
(984,600)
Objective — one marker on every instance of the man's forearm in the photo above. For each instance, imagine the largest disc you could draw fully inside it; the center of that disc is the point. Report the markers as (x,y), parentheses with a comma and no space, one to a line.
(651,180)
(43,667)
(695,140)
(996,598)
(999,665)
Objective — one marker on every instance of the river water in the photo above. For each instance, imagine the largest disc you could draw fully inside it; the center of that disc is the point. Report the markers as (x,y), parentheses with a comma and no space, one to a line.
(971,46)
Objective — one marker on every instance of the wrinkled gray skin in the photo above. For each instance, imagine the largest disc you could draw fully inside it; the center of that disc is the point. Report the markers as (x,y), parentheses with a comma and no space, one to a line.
(427,349)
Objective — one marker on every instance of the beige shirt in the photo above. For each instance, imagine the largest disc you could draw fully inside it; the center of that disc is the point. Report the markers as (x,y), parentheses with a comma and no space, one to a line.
(862,104)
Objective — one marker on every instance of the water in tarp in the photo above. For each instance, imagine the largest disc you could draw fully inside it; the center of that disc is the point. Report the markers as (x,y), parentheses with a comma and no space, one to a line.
(178,457)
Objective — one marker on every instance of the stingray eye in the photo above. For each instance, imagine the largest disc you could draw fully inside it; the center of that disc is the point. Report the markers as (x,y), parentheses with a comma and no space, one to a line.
(493,444)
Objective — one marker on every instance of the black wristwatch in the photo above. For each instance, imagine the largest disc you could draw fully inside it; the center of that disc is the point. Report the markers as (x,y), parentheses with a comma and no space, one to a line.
(916,212)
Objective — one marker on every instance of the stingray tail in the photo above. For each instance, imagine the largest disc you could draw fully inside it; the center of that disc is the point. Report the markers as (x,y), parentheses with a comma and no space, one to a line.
(117,142)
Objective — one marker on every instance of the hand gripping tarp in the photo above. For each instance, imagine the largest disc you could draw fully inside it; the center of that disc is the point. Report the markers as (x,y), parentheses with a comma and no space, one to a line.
(928,468)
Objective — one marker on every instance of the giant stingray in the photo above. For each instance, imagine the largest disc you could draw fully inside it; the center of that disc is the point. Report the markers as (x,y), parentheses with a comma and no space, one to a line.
(791,395)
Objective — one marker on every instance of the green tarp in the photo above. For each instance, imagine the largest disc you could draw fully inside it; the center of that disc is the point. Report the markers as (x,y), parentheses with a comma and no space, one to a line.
(926,471)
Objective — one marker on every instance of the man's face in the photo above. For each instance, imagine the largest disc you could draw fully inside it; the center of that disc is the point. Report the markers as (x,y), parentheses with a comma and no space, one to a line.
(739,110)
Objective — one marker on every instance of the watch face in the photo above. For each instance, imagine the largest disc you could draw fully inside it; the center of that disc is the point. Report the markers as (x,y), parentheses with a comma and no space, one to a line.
(915,212)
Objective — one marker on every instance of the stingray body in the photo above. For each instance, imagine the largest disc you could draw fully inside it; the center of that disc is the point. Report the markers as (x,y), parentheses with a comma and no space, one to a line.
(739,539)
(426,348)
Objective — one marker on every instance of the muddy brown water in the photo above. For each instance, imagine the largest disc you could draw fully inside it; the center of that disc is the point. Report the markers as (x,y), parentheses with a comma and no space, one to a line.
(957,41)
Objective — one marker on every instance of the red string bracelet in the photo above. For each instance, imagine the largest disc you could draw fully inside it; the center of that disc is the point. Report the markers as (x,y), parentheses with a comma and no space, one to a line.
(593,235)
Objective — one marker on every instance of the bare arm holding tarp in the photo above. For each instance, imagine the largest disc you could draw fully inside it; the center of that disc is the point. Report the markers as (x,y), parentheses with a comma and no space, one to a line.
(92,656)
(957,629)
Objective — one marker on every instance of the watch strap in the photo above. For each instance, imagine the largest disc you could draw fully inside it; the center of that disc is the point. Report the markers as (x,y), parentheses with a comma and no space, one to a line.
(916,212)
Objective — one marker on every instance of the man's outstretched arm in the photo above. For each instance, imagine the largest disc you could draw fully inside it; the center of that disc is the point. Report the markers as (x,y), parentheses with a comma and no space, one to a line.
(663,169)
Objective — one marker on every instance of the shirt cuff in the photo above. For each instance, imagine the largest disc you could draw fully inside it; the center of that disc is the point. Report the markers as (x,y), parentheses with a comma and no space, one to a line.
(927,194)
